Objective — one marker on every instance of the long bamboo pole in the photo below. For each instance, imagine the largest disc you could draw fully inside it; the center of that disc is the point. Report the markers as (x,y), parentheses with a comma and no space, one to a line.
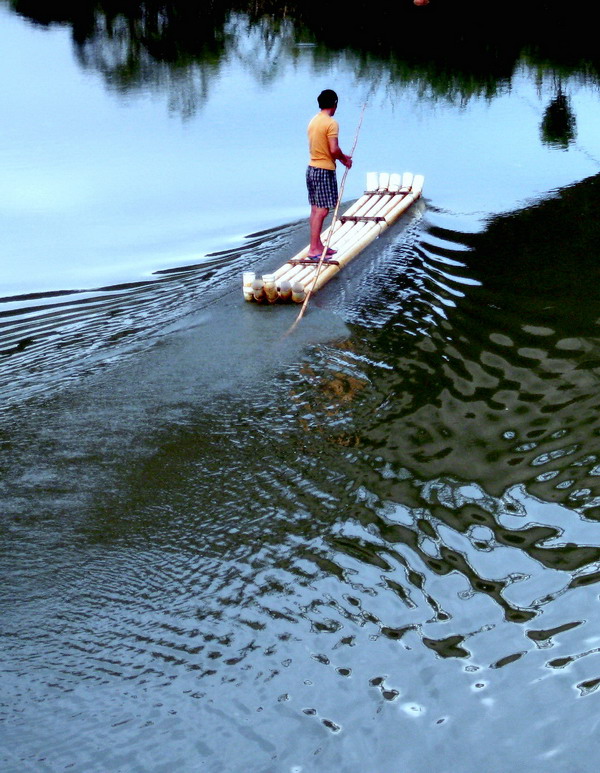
(331,227)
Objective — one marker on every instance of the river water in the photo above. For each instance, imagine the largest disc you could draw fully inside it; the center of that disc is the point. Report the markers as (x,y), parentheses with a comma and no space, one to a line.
(371,545)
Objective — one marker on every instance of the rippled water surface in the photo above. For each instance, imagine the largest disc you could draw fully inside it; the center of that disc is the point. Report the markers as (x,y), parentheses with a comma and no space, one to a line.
(368,546)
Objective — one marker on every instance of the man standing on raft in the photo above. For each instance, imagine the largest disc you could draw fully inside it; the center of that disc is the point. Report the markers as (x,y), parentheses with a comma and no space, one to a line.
(323,131)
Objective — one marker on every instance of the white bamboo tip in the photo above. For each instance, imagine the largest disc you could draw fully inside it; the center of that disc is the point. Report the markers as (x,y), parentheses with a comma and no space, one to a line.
(418,183)
(395,181)
(407,180)
(372,181)
(384,181)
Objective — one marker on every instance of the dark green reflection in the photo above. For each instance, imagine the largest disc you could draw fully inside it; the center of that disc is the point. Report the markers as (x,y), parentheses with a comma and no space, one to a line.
(558,124)
(450,50)
(493,379)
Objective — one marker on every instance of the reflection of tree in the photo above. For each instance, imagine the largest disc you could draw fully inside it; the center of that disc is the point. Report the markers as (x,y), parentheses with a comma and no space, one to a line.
(180,47)
(558,123)
(132,54)
(261,45)
(173,47)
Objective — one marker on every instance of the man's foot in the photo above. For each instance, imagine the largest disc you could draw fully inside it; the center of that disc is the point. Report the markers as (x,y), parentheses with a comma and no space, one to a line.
(328,254)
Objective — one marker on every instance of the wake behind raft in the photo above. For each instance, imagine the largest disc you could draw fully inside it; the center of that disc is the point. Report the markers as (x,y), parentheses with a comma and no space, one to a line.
(387,196)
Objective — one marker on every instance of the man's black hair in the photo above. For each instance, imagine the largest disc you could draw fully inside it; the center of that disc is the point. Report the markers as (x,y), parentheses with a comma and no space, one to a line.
(327,98)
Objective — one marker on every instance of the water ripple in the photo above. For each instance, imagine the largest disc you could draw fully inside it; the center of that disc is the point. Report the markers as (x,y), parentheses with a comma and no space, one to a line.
(48,341)
(393,527)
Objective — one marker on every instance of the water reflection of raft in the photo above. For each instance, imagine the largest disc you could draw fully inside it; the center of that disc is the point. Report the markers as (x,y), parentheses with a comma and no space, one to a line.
(386,197)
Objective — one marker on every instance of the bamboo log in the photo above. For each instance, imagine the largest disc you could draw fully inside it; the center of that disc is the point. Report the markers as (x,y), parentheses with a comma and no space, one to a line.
(284,288)
(383,207)
(370,235)
(374,208)
(298,294)
(270,285)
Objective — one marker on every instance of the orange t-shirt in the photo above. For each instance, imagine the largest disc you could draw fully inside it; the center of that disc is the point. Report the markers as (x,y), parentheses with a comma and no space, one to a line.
(320,129)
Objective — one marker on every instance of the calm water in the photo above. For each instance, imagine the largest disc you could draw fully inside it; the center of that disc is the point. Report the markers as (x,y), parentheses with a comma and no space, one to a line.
(369,546)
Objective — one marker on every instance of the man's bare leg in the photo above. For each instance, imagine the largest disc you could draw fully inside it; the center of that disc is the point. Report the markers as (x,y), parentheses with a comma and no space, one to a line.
(317,217)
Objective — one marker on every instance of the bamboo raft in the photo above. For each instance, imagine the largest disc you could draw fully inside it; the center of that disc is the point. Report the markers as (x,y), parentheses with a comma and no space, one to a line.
(386,197)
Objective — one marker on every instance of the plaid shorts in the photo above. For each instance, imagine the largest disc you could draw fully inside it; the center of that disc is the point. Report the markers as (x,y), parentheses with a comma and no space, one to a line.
(322,187)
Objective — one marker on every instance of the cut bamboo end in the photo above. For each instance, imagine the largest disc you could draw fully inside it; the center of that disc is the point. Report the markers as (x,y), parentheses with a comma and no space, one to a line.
(270,285)
(284,289)
(298,292)
(386,198)
(258,290)
(248,278)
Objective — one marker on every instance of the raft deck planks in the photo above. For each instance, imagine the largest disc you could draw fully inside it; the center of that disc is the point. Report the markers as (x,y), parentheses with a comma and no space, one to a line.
(386,197)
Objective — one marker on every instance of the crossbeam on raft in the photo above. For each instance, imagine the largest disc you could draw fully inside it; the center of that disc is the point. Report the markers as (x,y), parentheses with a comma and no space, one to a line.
(401,192)
(361,219)
(386,198)
(312,261)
